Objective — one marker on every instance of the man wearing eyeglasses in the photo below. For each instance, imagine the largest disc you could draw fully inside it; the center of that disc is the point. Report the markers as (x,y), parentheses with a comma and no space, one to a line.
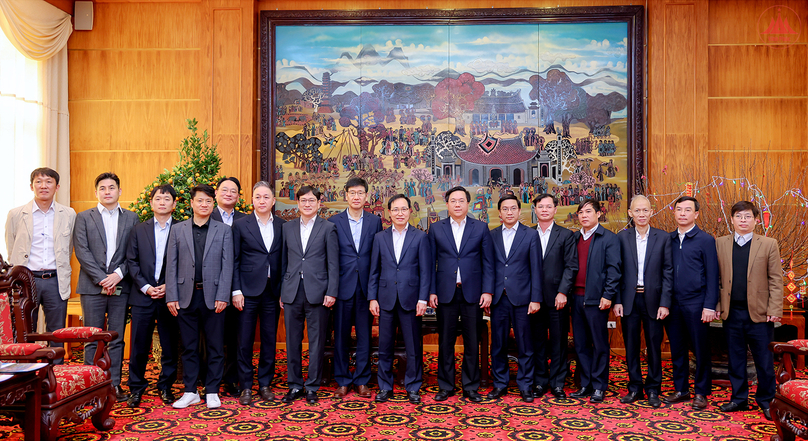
(355,232)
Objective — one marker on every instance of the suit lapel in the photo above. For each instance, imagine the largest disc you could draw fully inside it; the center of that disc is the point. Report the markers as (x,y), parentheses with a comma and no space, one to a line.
(753,250)
(255,230)
(466,234)
(213,230)
(388,239)
(150,237)
(499,239)
(315,229)
(554,233)
(189,238)
(99,223)
(344,226)
(652,237)
(121,227)
(450,234)
(364,233)
(517,239)
(276,241)
(407,241)
(632,239)
(28,218)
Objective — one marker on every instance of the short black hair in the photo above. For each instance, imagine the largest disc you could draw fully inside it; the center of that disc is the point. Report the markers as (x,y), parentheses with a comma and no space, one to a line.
(539,198)
(229,178)
(458,188)
(45,171)
(306,189)
(166,189)
(743,206)
(508,197)
(108,175)
(397,197)
(685,199)
(204,188)
(356,182)
(589,201)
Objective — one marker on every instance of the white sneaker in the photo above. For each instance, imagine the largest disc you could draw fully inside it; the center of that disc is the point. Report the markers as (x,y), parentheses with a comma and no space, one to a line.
(213,401)
(187,399)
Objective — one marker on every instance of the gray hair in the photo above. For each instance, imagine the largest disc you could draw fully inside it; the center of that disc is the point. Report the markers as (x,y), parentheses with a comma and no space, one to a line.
(260,184)
(637,197)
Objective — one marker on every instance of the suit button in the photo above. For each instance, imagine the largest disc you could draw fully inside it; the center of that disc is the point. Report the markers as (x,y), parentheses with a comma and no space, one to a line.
(398,269)
(506,278)
(395,283)
(304,259)
(506,265)
(26,256)
(357,271)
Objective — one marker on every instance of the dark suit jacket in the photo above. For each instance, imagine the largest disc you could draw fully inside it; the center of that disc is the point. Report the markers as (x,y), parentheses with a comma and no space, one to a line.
(559,264)
(475,260)
(140,258)
(519,274)
(252,259)
(407,280)
(90,244)
(657,270)
(319,265)
(353,263)
(764,277)
(695,269)
(602,266)
(215,215)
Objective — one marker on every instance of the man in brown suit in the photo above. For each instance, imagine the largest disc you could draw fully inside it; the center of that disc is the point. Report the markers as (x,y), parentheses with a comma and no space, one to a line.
(751,302)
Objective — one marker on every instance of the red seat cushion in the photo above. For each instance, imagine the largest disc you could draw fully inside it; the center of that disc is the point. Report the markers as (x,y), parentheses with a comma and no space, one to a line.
(19,348)
(76,332)
(6,331)
(72,379)
(796,391)
(799,343)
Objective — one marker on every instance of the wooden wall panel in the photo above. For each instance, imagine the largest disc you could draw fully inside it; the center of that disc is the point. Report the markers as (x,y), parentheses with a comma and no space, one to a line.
(759,70)
(226,69)
(759,124)
(736,21)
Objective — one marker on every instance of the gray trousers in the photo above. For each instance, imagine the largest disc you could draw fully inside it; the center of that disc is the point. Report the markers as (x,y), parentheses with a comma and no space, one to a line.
(54,308)
(101,309)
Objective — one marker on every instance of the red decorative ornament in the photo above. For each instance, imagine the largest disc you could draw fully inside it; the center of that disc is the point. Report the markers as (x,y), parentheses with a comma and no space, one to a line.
(767,217)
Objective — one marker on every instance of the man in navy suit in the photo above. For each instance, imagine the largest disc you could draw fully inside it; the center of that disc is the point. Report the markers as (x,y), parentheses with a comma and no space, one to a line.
(257,243)
(517,293)
(559,266)
(146,258)
(355,231)
(644,298)
(461,289)
(594,289)
(398,290)
(695,300)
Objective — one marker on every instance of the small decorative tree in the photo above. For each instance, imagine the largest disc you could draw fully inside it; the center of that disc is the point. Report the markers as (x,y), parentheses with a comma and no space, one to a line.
(199,164)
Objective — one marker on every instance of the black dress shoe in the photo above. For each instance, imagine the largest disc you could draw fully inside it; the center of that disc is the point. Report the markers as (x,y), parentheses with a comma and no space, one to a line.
(527,395)
(311,397)
(539,391)
(232,389)
(134,399)
(444,395)
(266,393)
(414,397)
(767,414)
(167,396)
(653,399)
(496,392)
(293,395)
(121,394)
(383,395)
(631,397)
(558,392)
(582,392)
(472,395)
(734,407)
(676,397)
(245,398)
(597,396)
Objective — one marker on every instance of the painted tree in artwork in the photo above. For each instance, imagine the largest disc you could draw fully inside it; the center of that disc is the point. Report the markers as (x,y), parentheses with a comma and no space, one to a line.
(314,96)
(298,149)
(364,110)
(454,97)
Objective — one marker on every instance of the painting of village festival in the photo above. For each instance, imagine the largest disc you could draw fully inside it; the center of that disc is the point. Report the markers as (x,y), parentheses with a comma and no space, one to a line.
(518,108)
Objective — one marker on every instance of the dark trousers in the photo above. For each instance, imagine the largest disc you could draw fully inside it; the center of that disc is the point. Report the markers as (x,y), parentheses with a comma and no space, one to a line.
(471,317)
(265,309)
(106,312)
(410,326)
(191,320)
(686,332)
(231,346)
(632,324)
(348,313)
(591,335)
(54,308)
(505,315)
(315,317)
(143,324)
(741,332)
(557,324)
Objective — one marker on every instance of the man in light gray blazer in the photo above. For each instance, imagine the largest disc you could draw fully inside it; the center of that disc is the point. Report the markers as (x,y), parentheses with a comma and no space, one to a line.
(199,272)
(310,257)
(100,239)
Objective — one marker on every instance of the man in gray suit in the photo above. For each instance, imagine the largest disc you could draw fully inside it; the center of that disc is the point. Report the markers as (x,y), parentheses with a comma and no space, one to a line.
(311,260)
(100,240)
(199,271)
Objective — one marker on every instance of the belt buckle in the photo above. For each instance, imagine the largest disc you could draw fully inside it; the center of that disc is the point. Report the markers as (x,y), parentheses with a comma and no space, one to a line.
(46,275)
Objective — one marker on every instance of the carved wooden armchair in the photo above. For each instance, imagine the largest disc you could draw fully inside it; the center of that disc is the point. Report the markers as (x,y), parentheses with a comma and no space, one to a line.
(70,392)
(789,408)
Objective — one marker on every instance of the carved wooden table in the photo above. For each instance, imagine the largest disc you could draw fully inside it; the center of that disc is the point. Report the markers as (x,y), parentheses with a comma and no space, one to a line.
(27,386)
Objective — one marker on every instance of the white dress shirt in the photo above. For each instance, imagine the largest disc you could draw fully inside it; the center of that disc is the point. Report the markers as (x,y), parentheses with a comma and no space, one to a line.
(42,257)
(398,242)
(227,218)
(160,242)
(267,234)
(110,219)
(742,240)
(457,232)
(544,237)
(507,237)
(588,234)
(305,231)
(642,246)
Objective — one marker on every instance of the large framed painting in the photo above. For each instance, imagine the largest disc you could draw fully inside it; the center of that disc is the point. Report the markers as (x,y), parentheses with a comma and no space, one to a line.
(522,101)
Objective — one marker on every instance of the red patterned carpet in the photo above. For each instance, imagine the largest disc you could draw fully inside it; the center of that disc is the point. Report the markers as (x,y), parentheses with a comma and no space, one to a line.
(509,418)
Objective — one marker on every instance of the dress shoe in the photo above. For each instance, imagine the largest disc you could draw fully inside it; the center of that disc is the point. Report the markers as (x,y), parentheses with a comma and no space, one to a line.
(444,395)
(472,395)
(213,401)
(767,414)
(266,393)
(653,399)
(539,391)
(582,392)
(293,395)
(496,392)
(363,391)
(341,392)
(134,399)
(558,392)
(383,395)
(311,397)
(231,389)
(631,397)
(699,402)
(676,397)
(245,398)
(527,395)
(415,397)
(187,399)
(597,396)
(121,394)
(167,396)
(734,407)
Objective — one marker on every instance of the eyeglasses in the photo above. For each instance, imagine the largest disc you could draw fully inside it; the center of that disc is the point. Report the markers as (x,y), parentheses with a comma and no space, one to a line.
(743,216)
(308,201)
(226,191)
(399,210)
(509,209)
(356,193)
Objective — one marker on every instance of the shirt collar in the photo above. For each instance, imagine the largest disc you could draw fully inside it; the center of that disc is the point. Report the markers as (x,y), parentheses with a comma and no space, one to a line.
(515,226)
(35,207)
(102,209)
(271,218)
(746,237)
(639,237)
(168,222)
(689,230)
(361,215)
(399,232)
(223,212)
(309,223)
(589,233)
(549,229)
(452,221)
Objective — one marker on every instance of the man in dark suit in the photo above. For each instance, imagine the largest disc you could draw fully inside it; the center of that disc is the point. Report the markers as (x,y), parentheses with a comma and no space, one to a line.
(559,266)
(310,283)
(228,192)
(146,258)
(100,239)
(517,294)
(644,298)
(751,303)
(199,272)
(461,290)
(594,289)
(693,307)
(355,232)
(398,290)
(257,241)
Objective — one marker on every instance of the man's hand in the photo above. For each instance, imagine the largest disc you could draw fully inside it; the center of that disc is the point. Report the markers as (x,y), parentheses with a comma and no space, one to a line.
(707,316)
(156,292)
(533,307)
(433,300)
(374,308)
(560,301)
(329,301)
(281,303)
(773,318)
(662,312)
(420,309)
(618,310)
(605,304)
(219,305)
(485,302)
(110,282)
(238,302)
(173,307)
